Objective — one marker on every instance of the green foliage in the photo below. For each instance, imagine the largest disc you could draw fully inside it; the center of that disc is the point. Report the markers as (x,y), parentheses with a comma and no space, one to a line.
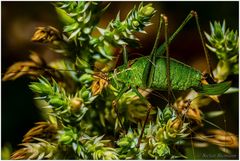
(86,147)
(224,43)
(168,130)
(79,18)
(67,109)
(127,146)
(122,32)
(96,148)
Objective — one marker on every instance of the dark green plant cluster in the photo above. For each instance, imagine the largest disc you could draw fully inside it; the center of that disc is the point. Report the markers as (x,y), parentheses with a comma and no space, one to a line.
(76,96)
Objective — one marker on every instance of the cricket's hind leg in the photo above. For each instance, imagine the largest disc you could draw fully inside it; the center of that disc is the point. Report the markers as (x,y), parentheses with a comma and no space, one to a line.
(171,97)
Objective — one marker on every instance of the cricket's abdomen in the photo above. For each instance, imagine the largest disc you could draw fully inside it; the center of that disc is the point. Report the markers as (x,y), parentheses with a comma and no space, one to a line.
(182,76)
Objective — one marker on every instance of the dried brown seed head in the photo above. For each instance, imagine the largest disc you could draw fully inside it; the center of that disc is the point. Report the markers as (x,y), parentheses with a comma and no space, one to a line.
(100,82)
(46,34)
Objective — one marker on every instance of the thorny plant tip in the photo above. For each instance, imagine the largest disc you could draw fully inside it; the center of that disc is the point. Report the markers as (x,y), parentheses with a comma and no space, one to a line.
(95,110)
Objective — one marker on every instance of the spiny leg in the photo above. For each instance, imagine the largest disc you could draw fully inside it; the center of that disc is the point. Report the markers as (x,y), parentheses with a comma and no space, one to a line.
(168,58)
(149,72)
(149,107)
(160,51)
(194,13)
(184,114)
(150,67)
(162,48)
(207,59)
(114,104)
(123,90)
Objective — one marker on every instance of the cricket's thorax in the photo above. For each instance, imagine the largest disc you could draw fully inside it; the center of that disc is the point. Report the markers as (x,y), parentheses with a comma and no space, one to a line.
(182,76)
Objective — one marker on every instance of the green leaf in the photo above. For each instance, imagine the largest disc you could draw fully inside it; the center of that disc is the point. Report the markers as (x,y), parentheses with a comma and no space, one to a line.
(71,27)
(87,30)
(65,139)
(40,88)
(162,150)
(86,78)
(103,52)
(74,33)
(88,18)
(56,101)
(63,16)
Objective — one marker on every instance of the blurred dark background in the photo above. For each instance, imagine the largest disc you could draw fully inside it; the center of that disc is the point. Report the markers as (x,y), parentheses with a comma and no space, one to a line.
(19,20)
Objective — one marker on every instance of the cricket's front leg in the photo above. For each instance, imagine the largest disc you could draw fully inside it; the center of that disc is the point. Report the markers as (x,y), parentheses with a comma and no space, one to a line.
(149,108)
(115,105)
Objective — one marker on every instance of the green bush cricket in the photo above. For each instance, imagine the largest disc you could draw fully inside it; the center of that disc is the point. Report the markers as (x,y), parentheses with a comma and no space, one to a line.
(160,72)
